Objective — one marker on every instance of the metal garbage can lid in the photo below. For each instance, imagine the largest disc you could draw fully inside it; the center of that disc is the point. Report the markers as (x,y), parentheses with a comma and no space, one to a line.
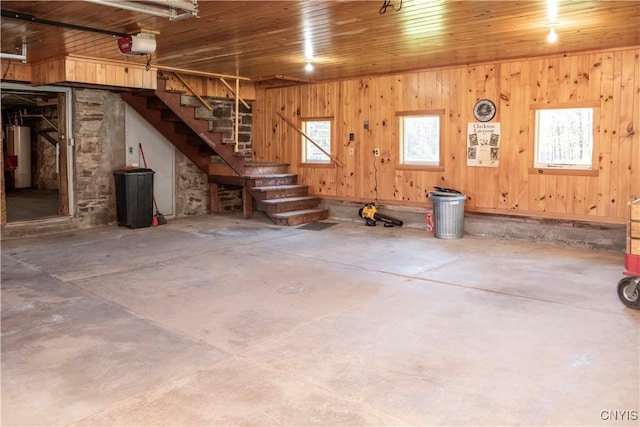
(446,196)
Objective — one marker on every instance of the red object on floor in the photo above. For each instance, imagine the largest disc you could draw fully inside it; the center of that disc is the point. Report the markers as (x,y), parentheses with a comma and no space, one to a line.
(10,162)
(632,265)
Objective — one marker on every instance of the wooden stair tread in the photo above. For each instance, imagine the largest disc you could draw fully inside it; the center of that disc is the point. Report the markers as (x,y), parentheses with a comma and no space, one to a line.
(298,212)
(266,164)
(278,187)
(270,176)
(288,199)
(270,183)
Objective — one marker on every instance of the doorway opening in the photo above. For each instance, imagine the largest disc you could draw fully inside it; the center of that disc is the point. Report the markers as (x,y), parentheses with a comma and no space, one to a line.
(34,147)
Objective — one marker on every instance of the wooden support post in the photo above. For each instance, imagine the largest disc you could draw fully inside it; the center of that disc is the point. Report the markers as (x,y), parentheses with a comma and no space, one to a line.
(236,92)
(237,126)
(3,205)
(247,203)
(214,195)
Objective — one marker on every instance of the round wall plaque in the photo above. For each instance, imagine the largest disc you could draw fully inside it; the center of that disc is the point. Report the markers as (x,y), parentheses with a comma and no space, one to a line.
(484,110)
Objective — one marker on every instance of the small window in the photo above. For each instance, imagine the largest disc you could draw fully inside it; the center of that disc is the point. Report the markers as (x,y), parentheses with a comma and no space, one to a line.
(420,139)
(320,132)
(564,138)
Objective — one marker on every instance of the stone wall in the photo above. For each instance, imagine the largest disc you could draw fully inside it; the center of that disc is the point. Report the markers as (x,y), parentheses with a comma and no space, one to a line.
(221,119)
(46,175)
(99,134)
(192,188)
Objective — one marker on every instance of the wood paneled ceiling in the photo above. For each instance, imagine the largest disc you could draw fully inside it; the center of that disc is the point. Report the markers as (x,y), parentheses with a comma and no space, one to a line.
(264,39)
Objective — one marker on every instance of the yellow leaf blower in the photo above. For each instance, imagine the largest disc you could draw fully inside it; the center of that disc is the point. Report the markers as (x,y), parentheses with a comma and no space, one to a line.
(370,213)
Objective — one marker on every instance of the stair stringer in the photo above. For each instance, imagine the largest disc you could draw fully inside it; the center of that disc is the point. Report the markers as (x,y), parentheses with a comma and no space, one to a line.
(200,127)
(167,129)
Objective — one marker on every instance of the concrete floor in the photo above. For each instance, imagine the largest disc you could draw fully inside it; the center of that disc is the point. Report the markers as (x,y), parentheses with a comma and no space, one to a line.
(215,320)
(28,204)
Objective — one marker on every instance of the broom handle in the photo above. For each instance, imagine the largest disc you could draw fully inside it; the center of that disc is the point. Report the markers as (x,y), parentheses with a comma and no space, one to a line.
(144,161)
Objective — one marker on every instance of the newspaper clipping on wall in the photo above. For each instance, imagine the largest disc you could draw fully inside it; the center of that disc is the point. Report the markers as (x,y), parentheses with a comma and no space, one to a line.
(483,144)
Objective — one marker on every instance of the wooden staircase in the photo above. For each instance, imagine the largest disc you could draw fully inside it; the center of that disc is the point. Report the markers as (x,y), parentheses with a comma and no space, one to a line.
(275,191)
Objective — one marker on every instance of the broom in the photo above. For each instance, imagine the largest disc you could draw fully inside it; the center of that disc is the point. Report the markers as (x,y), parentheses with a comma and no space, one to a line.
(158,218)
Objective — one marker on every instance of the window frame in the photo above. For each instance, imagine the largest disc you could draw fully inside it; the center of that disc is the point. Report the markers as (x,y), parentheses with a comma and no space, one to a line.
(402,163)
(304,141)
(559,169)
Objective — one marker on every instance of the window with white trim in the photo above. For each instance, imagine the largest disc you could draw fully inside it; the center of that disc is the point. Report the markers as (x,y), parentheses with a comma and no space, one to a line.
(421,139)
(320,132)
(564,138)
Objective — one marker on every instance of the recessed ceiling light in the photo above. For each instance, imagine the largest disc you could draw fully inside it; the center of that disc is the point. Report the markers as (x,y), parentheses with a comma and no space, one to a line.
(309,67)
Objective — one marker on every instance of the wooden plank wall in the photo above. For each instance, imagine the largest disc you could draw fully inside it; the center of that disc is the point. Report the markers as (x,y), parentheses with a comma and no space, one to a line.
(610,79)
(15,71)
(76,69)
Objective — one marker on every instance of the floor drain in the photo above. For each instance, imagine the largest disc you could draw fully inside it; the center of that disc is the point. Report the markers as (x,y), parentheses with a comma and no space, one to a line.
(289,290)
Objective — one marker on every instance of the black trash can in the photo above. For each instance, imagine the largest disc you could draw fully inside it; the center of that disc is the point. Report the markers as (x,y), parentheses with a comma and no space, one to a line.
(134,197)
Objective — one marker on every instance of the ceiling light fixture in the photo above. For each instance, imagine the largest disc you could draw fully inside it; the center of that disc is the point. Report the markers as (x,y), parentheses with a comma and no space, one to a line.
(163,8)
(309,67)
(552,37)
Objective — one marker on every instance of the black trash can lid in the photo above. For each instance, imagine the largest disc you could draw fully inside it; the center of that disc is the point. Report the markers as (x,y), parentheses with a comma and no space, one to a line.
(130,171)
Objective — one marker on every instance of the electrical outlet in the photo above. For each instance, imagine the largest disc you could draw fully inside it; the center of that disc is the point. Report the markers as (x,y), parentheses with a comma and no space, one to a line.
(130,150)
(376,152)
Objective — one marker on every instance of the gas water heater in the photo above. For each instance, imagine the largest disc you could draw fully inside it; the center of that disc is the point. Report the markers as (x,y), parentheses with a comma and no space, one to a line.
(19,144)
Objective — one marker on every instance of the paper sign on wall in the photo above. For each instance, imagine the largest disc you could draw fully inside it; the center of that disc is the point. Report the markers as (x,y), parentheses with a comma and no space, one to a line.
(483,144)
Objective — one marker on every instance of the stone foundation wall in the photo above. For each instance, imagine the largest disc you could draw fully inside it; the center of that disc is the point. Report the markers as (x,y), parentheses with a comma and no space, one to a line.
(99,134)
(192,188)
(221,119)
(46,176)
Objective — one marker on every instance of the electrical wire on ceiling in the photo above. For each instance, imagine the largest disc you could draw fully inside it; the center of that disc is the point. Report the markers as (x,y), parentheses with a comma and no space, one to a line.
(386,4)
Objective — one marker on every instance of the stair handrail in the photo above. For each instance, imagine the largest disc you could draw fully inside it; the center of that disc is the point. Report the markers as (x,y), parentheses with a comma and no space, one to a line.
(188,86)
(235,93)
(308,138)
(218,76)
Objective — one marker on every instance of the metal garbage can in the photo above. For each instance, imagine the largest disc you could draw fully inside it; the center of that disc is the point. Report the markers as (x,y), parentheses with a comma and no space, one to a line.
(134,197)
(448,214)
